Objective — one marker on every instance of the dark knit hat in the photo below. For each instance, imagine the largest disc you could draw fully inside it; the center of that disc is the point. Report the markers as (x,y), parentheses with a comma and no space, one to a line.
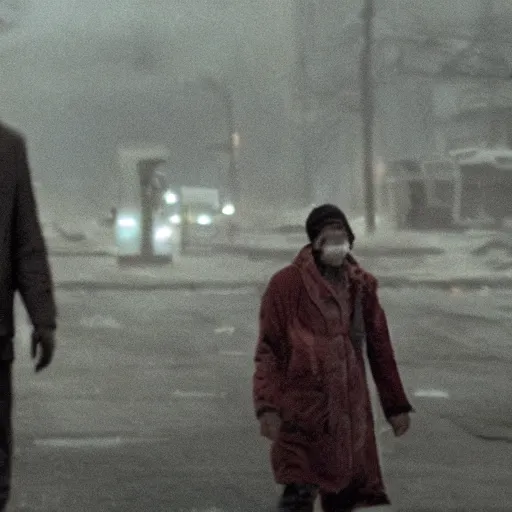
(327,215)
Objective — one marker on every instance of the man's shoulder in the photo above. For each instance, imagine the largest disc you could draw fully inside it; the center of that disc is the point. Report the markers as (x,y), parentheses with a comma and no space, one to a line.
(12,145)
(9,135)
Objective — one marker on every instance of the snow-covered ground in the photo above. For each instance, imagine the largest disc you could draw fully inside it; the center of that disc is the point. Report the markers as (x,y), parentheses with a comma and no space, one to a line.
(148,406)
(474,259)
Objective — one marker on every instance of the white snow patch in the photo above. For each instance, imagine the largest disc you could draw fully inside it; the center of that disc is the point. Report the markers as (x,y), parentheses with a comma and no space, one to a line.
(234,353)
(228,291)
(431,393)
(485,291)
(225,330)
(214,509)
(146,273)
(197,394)
(100,322)
(88,442)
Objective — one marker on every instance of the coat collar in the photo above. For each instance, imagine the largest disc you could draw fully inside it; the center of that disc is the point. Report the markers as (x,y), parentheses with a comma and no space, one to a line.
(316,285)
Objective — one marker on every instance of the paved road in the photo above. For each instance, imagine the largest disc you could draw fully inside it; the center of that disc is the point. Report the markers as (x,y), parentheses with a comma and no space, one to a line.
(147,406)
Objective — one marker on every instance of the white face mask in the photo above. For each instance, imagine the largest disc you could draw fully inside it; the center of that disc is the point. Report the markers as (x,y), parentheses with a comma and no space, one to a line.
(334,255)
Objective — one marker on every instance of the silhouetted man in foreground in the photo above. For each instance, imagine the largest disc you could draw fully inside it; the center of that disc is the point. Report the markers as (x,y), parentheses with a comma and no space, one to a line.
(23,267)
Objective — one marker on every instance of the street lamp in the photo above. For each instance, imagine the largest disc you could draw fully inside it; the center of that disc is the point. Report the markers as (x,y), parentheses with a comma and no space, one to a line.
(233,140)
(231,146)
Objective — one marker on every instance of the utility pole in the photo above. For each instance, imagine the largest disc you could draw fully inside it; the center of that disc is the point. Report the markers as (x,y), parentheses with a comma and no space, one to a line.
(488,24)
(302,24)
(368,113)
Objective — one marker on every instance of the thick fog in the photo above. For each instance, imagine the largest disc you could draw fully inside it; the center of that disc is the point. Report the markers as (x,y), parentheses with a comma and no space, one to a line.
(150,403)
(80,77)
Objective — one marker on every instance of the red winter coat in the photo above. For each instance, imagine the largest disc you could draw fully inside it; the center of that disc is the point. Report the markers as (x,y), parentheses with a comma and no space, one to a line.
(312,373)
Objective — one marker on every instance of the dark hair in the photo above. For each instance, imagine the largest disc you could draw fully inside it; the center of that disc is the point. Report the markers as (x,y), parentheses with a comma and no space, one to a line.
(327,215)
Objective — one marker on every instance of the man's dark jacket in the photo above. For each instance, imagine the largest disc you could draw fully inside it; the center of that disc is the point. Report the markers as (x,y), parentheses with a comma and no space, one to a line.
(23,256)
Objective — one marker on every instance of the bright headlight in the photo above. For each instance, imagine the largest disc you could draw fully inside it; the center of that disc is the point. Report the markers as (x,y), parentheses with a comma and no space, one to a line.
(175,219)
(127,222)
(163,233)
(170,198)
(229,209)
(204,220)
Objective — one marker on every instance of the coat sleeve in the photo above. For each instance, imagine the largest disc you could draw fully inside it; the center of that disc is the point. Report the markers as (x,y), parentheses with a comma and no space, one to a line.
(381,355)
(30,261)
(270,357)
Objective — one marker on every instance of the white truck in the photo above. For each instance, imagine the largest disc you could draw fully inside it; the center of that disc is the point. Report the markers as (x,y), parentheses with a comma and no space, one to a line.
(204,216)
